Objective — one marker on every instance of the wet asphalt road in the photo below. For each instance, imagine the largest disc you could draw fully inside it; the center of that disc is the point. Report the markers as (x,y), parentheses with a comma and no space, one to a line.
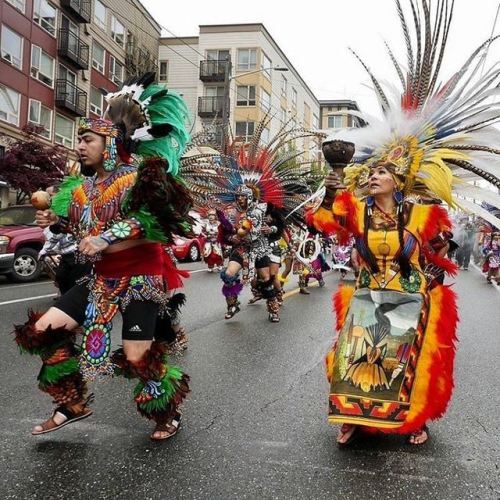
(255,423)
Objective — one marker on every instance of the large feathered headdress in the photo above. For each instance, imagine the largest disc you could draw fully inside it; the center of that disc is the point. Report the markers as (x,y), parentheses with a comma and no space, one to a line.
(152,120)
(276,171)
(437,136)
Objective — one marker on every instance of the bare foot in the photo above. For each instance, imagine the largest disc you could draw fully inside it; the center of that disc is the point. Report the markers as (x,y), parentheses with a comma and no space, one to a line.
(419,437)
(346,433)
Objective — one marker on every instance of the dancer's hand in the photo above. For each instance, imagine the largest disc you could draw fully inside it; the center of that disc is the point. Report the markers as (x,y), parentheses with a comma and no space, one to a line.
(333,181)
(92,245)
(45,218)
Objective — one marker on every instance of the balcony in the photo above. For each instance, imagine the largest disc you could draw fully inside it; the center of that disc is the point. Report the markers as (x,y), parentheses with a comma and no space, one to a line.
(210,107)
(80,9)
(214,70)
(71,97)
(73,49)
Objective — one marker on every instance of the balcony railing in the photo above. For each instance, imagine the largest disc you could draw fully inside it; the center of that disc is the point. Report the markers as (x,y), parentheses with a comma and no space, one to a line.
(210,107)
(81,9)
(214,70)
(71,97)
(73,49)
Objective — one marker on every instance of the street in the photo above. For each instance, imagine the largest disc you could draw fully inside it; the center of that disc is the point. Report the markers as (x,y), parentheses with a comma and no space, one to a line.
(255,424)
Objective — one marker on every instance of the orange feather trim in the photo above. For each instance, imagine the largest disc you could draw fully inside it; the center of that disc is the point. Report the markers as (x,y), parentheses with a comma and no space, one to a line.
(323,221)
(433,384)
(349,208)
(341,300)
(444,263)
(434,220)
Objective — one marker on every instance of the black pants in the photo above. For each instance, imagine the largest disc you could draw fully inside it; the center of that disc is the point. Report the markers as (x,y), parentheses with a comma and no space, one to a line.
(140,318)
(69,271)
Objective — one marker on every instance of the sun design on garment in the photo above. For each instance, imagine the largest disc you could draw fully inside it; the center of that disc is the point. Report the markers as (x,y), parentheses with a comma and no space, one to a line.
(412,283)
(121,230)
(97,342)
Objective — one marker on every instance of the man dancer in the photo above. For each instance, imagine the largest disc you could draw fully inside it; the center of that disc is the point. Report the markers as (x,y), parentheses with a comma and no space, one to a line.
(115,226)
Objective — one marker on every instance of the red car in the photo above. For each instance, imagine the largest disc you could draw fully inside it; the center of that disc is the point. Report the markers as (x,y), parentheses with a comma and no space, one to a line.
(188,248)
(20,242)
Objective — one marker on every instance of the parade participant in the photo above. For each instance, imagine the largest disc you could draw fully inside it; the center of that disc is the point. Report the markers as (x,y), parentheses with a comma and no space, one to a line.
(255,175)
(492,258)
(212,251)
(273,229)
(342,257)
(241,228)
(391,368)
(118,217)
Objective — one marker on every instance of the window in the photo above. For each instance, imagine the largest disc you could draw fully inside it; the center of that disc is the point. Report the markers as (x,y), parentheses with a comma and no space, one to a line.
(315,122)
(294,97)
(12,47)
(63,73)
(117,31)
(335,121)
(247,59)
(284,86)
(115,71)
(245,95)
(100,14)
(98,56)
(42,116)
(65,131)
(18,4)
(244,130)
(96,101)
(265,100)
(9,105)
(163,71)
(266,65)
(42,66)
(45,15)
(214,91)
(218,55)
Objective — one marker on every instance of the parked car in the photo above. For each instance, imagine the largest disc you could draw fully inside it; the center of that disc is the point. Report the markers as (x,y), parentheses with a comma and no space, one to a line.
(20,241)
(189,249)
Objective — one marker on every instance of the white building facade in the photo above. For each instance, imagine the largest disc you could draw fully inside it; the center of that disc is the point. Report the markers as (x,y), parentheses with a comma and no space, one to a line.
(196,67)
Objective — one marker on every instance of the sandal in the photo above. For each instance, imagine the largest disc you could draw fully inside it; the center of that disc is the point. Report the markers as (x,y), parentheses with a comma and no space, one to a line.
(412,438)
(253,300)
(274,318)
(50,425)
(231,311)
(169,428)
(349,430)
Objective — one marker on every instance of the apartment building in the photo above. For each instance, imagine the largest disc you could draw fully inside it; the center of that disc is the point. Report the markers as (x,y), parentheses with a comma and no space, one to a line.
(58,56)
(334,114)
(242,68)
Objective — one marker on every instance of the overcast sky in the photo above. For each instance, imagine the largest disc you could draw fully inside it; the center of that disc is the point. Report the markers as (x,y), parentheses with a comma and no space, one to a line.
(315,35)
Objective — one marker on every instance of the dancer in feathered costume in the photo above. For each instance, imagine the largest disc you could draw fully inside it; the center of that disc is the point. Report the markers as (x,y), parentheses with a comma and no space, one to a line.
(212,251)
(119,217)
(391,368)
(258,180)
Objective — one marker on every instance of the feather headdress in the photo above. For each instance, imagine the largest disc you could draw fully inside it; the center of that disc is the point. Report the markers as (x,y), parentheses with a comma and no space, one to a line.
(438,136)
(276,171)
(152,120)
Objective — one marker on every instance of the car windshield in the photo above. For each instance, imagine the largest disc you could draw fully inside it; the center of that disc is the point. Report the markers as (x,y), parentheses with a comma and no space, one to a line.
(17,216)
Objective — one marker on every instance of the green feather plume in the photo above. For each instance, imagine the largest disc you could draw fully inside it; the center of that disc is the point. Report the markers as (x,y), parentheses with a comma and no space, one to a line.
(62,200)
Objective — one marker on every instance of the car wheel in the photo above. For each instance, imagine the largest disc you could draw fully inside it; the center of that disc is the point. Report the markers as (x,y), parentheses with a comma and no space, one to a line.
(26,266)
(194,253)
